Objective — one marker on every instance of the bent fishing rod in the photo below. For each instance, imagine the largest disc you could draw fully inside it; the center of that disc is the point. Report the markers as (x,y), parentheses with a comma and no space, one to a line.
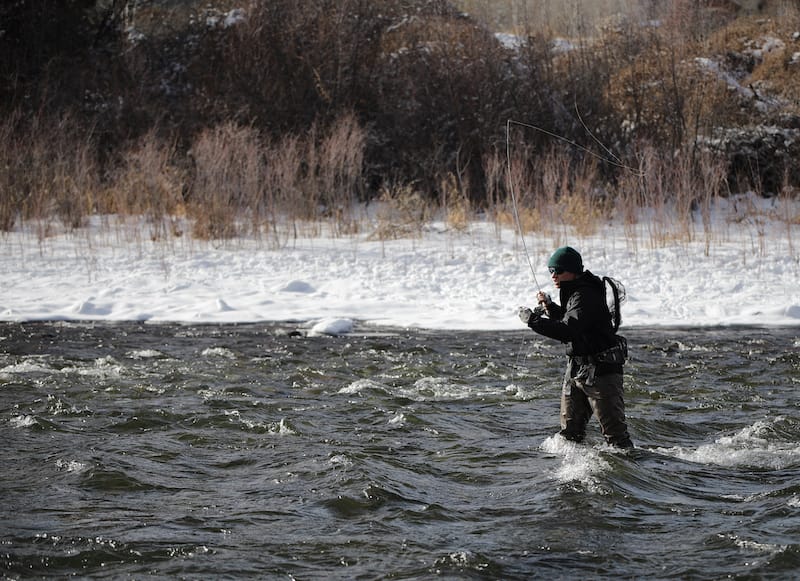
(611,159)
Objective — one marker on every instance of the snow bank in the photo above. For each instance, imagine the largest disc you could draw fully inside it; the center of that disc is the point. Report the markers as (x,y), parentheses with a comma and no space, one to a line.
(746,275)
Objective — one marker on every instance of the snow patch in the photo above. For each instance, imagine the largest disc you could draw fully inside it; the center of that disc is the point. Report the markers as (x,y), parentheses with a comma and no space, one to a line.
(297,286)
(331,327)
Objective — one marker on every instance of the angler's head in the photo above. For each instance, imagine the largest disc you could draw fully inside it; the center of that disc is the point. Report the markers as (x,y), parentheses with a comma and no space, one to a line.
(564,265)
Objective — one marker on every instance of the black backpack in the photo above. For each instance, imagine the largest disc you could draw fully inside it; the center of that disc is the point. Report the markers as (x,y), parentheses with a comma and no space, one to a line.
(615,298)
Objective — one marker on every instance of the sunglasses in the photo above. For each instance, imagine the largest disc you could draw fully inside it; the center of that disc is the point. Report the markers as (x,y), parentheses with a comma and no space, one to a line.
(555,270)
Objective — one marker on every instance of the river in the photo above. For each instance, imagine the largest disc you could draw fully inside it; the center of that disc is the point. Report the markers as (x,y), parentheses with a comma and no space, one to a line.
(145,451)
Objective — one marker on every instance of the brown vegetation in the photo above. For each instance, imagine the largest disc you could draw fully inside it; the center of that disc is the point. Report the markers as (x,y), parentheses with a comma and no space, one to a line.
(253,122)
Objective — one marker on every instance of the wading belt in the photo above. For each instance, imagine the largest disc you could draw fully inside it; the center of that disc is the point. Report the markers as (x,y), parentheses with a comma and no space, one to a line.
(616,354)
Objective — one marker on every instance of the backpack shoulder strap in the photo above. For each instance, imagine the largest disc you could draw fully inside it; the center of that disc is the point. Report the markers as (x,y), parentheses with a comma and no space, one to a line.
(615,301)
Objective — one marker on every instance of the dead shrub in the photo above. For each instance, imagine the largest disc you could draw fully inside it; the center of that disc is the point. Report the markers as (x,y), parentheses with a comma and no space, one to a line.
(710,178)
(552,186)
(283,193)
(523,204)
(56,173)
(149,183)
(76,183)
(495,169)
(227,181)
(403,212)
(580,212)
(671,192)
(11,195)
(530,219)
(455,203)
(649,95)
(340,167)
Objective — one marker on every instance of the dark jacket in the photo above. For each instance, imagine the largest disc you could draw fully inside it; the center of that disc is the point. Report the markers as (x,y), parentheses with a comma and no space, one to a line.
(582,320)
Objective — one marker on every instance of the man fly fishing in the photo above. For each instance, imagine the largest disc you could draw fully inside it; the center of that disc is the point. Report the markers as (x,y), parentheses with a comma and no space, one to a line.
(596,354)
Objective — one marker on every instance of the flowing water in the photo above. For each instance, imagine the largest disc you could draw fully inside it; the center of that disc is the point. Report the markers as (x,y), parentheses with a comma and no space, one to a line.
(250,451)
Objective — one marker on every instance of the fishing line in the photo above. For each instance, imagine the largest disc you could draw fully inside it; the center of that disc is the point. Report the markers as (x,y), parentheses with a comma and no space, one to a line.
(510,180)
(596,140)
(611,159)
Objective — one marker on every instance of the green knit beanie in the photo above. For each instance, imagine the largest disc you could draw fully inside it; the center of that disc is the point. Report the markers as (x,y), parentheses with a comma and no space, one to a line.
(566,258)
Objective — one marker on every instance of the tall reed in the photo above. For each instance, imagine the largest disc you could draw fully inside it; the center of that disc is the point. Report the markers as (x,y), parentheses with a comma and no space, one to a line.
(149,183)
(228,176)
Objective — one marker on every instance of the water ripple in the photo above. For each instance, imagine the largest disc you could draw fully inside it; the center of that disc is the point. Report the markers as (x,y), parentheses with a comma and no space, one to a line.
(249,451)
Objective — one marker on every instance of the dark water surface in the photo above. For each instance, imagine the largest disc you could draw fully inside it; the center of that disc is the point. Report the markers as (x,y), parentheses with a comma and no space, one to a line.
(243,451)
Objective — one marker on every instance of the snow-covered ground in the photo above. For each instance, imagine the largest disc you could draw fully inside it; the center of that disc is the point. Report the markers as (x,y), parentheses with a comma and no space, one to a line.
(746,272)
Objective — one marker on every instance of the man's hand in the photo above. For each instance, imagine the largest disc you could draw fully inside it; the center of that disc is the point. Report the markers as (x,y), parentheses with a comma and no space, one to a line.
(529,317)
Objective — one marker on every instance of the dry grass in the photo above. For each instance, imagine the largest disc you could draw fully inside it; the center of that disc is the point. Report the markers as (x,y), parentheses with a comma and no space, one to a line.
(10,194)
(415,108)
(53,174)
(403,212)
(244,185)
(760,52)
(149,183)
(339,171)
(779,75)
(454,201)
(282,183)
(227,180)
